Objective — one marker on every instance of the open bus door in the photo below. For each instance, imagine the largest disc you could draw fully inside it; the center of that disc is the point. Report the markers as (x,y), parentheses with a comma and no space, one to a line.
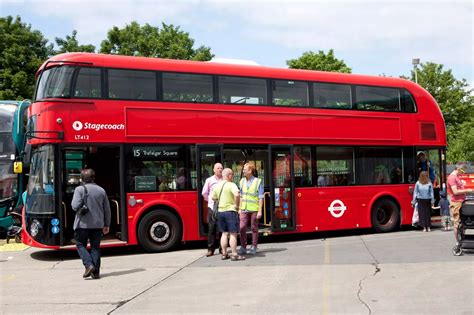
(207,156)
(282,192)
(108,164)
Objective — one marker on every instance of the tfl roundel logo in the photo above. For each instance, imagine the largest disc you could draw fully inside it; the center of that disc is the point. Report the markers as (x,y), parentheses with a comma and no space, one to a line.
(337,208)
(77,125)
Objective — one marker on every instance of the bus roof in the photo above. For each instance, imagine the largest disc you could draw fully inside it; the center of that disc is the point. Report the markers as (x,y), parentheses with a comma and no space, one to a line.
(147,63)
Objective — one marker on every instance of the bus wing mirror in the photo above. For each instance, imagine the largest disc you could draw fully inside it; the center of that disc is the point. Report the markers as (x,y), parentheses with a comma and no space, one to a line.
(18,167)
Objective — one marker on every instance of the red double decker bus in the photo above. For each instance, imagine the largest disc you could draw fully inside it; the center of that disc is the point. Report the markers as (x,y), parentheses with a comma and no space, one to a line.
(335,151)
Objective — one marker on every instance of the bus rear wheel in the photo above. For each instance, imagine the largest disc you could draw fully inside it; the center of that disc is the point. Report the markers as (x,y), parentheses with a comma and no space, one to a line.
(385,215)
(159,231)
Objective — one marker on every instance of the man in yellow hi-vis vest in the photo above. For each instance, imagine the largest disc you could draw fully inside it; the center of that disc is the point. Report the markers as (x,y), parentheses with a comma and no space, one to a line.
(251,202)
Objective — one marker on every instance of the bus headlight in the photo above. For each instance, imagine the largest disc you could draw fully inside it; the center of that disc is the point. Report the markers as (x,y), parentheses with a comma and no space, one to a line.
(35,227)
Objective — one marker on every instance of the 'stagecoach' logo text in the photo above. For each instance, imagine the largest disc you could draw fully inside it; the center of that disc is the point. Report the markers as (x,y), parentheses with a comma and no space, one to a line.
(77,125)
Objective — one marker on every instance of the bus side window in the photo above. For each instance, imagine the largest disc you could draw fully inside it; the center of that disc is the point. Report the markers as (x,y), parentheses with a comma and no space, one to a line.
(88,83)
(334,166)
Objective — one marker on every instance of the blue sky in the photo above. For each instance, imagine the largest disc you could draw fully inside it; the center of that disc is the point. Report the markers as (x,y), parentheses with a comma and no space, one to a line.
(372,37)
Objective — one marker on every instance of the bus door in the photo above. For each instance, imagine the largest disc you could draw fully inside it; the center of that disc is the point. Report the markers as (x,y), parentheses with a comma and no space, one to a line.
(207,156)
(73,163)
(282,192)
(105,161)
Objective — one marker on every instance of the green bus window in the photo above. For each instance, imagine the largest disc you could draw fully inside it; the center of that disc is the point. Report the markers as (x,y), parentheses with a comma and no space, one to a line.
(290,93)
(336,96)
(180,87)
(88,83)
(235,90)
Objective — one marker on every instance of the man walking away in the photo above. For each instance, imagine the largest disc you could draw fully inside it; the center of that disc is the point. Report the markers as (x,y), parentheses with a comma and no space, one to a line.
(92,219)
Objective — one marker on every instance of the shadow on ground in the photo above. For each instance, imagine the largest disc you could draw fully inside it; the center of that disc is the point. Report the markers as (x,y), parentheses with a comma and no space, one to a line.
(58,255)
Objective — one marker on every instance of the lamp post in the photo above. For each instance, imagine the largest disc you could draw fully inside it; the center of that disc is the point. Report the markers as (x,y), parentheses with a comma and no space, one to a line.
(416,62)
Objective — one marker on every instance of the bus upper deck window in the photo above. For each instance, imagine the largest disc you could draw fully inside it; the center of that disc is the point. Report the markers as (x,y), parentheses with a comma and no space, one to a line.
(55,82)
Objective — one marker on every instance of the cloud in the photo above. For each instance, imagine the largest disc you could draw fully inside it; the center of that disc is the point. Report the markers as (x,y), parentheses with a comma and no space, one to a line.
(93,19)
(380,34)
(439,30)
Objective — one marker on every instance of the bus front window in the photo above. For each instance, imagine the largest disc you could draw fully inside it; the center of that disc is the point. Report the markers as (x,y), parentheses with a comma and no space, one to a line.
(40,190)
(55,82)
(8,180)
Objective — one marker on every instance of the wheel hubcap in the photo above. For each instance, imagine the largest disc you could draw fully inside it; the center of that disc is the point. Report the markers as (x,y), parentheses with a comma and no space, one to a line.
(384,215)
(160,231)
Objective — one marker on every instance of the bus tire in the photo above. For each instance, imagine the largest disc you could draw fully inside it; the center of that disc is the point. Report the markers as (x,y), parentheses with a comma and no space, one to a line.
(159,231)
(385,215)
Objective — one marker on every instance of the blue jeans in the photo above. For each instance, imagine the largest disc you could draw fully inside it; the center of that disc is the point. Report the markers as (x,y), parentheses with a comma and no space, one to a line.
(93,235)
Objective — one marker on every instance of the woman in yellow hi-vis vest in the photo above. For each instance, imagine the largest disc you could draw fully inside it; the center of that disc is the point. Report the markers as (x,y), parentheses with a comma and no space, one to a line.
(251,202)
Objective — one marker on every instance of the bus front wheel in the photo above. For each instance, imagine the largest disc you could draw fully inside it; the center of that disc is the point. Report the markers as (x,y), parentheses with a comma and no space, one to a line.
(385,215)
(159,231)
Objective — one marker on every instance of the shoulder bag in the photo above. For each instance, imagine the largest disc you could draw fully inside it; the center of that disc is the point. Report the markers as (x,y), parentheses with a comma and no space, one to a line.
(83,209)
(215,208)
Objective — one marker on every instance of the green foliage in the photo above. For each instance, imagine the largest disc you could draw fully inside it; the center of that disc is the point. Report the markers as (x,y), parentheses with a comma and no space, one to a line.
(70,44)
(454,97)
(319,61)
(461,143)
(150,41)
(456,101)
(22,51)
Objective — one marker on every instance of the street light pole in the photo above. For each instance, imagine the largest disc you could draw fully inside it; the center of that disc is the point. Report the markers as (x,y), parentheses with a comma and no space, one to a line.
(416,62)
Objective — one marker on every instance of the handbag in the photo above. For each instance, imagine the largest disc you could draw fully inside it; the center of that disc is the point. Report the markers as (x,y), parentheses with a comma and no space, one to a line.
(215,208)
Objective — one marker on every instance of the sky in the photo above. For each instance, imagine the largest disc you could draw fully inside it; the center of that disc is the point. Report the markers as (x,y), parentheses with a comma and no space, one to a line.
(372,37)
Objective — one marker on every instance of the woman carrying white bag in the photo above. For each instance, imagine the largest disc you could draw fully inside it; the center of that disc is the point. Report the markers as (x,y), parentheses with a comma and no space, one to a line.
(423,196)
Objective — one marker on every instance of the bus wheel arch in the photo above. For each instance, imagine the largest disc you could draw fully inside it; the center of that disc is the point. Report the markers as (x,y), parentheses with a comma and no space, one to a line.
(159,229)
(385,214)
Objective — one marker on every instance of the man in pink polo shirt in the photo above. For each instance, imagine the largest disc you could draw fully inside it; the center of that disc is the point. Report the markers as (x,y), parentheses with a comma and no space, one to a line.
(209,185)
(457,195)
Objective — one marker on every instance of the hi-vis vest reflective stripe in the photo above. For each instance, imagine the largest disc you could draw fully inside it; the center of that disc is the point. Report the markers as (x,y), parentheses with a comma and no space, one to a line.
(249,198)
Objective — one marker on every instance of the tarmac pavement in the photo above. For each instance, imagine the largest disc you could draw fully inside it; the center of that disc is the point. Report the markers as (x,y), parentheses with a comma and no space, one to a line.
(406,272)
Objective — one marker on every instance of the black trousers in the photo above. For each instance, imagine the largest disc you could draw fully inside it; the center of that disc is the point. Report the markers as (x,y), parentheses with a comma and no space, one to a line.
(213,240)
(424,212)
(94,236)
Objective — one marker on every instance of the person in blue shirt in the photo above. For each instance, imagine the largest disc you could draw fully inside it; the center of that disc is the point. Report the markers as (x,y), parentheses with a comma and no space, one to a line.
(423,164)
(424,196)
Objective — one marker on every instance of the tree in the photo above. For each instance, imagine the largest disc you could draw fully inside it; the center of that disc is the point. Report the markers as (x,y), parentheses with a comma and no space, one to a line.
(456,101)
(454,97)
(150,41)
(70,44)
(461,143)
(22,51)
(319,61)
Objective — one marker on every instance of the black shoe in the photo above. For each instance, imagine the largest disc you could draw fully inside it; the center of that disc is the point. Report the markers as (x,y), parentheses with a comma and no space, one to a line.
(88,272)
(95,275)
